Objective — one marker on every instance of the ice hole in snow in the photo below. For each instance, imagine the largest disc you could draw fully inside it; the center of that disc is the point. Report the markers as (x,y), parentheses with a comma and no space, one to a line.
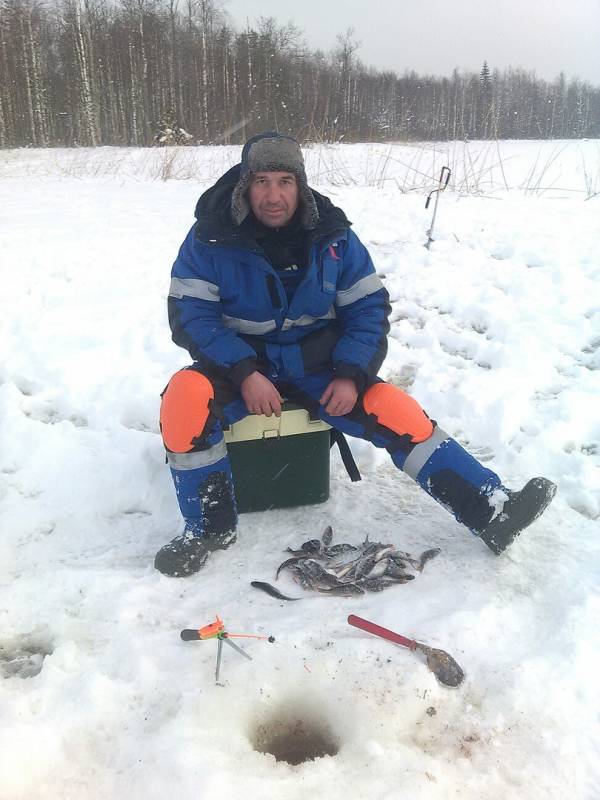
(294,736)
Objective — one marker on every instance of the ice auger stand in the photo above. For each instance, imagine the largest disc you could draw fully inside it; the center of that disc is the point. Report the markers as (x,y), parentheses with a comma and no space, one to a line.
(442,183)
(216,630)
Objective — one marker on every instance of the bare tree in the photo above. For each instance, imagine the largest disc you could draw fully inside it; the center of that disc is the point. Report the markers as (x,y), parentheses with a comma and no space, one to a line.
(108,71)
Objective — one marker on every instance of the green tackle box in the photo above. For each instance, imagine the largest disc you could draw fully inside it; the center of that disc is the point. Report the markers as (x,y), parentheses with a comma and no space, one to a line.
(279,462)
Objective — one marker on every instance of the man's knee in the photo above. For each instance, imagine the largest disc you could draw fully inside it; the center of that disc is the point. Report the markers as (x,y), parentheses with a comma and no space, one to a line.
(185,409)
(398,411)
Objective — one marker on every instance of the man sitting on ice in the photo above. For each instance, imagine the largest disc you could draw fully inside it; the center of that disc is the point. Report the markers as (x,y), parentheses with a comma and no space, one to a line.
(273,294)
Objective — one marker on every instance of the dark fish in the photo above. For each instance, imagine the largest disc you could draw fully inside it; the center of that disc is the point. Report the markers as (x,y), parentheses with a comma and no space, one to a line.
(344,569)
(399,556)
(364,564)
(364,567)
(345,590)
(336,549)
(403,578)
(287,563)
(395,569)
(427,556)
(310,574)
(372,548)
(266,587)
(397,562)
(312,546)
(376,584)
(379,569)
(306,549)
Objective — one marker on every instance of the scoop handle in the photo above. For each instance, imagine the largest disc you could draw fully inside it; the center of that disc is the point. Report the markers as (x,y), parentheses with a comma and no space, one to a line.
(377,630)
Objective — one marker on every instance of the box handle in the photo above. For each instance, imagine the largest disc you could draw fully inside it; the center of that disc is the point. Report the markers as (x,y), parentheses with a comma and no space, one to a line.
(271,434)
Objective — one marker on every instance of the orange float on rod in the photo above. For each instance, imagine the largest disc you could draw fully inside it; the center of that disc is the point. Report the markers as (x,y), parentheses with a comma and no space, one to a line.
(216,630)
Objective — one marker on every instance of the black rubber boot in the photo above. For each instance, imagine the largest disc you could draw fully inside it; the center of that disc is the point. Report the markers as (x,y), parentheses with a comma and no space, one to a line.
(520,510)
(187,553)
(214,530)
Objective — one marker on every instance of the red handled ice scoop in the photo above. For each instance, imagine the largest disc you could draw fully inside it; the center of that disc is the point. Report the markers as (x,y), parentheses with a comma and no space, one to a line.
(443,666)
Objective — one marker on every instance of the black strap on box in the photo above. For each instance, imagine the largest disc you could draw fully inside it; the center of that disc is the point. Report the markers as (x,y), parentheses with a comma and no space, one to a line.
(303,399)
(337,437)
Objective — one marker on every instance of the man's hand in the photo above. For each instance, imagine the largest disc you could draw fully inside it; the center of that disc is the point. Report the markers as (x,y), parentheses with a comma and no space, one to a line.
(339,397)
(260,396)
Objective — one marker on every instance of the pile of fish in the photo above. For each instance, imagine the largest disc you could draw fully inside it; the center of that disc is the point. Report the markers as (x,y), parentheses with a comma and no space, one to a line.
(346,569)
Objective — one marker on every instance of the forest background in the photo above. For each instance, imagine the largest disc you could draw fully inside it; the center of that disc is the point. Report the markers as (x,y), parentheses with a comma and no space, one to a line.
(90,72)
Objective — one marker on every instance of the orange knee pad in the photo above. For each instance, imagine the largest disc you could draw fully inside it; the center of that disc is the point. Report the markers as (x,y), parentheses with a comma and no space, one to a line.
(397,411)
(185,409)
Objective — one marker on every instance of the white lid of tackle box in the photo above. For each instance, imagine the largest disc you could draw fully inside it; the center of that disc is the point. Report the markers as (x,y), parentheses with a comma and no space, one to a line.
(293,420)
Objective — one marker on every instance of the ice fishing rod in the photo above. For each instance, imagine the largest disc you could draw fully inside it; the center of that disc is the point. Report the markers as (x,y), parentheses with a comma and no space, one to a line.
(216,630)
(442,184)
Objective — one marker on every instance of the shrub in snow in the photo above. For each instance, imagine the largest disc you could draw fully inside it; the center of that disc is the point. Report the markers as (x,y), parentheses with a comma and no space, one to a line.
(170,132)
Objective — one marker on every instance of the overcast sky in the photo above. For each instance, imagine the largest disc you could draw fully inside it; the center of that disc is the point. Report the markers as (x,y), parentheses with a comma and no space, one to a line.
(434,36)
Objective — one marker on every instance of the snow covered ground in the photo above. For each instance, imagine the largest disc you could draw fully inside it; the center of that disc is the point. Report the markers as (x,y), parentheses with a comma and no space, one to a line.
(496,330)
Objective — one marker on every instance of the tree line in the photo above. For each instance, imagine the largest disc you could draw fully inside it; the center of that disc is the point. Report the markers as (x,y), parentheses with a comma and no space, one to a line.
(90,72)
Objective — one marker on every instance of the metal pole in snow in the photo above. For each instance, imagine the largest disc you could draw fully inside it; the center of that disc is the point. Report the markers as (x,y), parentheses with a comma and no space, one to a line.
(442,184)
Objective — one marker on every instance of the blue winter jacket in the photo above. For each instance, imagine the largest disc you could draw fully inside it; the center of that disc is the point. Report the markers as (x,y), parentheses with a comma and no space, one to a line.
(228,306)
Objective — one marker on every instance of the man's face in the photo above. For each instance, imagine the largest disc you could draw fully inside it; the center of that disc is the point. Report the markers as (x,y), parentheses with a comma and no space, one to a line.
(273,197)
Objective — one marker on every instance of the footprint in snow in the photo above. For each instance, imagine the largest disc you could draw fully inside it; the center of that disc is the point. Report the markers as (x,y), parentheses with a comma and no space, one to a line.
(23,657)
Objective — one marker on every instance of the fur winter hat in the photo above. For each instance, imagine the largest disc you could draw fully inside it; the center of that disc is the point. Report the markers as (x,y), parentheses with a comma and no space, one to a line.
(273,152)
